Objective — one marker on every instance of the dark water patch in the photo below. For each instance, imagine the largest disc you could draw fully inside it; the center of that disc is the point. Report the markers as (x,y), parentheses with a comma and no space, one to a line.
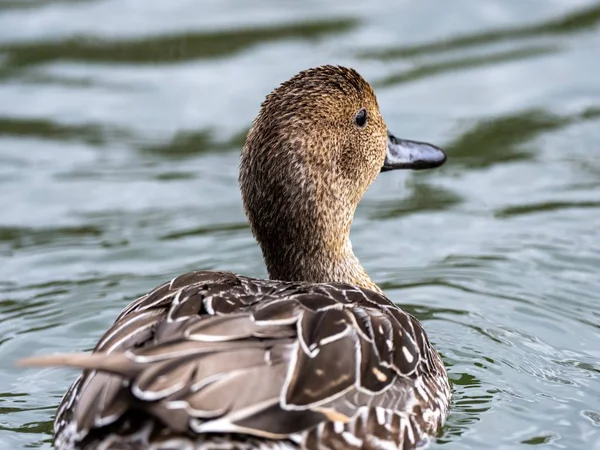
(472,261)
(239,139)
(463,281)
(594,369)
(79,82)
(32,428)
(183,145)
(541,440)
(13,309)
(591,113)
(189,144)
(25,237)
(504,139)
(463,63)
(33,4)
(546,207)
(167,49)
(54,286)
(10,398)
(175,176)
(47,326)
(469,402)
(424,313)
(423,198)
(91,134)
(216,229)
(142,170)
(593,416)
(576,22)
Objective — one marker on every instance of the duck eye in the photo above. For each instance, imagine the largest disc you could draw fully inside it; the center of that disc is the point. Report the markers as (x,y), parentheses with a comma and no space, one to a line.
(361,118)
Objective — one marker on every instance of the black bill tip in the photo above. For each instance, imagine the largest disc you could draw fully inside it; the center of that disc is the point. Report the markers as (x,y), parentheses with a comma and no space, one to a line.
(405,154)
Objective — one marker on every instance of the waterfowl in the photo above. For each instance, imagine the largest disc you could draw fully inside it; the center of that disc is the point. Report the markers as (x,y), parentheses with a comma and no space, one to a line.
(315,357)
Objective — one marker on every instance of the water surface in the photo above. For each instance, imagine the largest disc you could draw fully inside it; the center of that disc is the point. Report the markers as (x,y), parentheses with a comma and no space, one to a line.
(120,128)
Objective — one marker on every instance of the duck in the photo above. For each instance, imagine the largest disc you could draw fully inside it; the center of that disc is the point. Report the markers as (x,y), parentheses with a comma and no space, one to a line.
(314,357)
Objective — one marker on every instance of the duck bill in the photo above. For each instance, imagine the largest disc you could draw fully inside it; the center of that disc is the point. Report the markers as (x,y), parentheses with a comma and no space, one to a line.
(404,154)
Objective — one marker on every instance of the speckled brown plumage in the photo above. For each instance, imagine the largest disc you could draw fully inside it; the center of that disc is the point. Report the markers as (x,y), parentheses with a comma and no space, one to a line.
(315,358)
(304,168)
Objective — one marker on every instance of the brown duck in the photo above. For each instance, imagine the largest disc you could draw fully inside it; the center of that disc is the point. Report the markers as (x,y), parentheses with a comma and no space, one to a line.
(316,357)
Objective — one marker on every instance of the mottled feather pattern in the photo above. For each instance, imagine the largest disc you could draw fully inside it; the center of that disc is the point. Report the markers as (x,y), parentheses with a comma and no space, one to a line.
(213,360)
(213,353)
(303,170)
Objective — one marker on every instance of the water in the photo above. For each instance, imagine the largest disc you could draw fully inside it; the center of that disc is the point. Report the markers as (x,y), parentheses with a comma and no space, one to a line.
(120,128)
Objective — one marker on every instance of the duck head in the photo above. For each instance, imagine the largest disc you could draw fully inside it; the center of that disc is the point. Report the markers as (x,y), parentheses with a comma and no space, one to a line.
(316,145)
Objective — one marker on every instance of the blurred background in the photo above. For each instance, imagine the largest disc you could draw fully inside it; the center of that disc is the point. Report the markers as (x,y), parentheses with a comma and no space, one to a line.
(121,123)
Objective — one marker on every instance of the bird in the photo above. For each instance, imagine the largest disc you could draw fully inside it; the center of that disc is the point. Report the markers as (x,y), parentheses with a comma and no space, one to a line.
(314,357)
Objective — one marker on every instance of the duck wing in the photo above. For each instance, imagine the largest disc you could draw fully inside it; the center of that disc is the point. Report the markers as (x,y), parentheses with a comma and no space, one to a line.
(213,352)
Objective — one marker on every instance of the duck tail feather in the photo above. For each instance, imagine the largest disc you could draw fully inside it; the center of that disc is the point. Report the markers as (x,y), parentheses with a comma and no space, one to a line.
(116,363)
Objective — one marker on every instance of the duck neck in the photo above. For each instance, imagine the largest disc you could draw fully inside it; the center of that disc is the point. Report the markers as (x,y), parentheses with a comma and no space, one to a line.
(317,262)
(300,208)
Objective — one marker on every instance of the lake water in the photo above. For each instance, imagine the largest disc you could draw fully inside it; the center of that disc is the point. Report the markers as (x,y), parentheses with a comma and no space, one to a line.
(121,123)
